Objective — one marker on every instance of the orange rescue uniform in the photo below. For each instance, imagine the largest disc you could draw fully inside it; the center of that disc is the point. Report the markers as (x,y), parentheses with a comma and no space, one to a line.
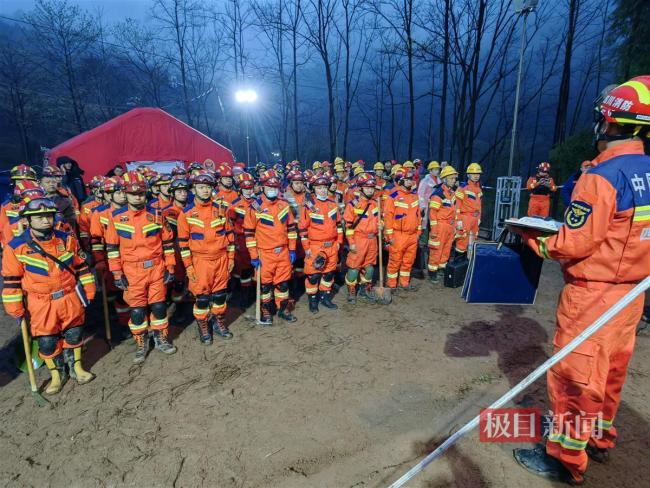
(469,197)
(243,269)
(403,224)
(604,250)
(443,220)
(540,196)
(361,227)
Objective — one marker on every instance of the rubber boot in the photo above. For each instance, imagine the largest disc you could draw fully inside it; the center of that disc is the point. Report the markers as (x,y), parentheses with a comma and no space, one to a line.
(352,294)
(366,293)
(73,360)
(161,342)
(434,277)
(142,347)
(266,318)
(313,303)
(56,365)
(204,332)
(220,328)
(326,300)
(596,454)
(409,288)
(284,314)
(538,462)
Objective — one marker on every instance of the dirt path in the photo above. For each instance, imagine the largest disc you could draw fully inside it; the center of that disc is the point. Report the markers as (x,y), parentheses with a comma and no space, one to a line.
(341,399)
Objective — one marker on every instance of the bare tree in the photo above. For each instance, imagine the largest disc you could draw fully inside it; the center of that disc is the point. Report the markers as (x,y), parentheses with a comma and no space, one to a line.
(64,34)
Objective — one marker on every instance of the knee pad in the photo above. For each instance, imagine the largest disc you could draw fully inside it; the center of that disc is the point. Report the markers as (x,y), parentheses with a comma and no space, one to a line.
(267,288)
(203,301)
(72,336)
(138,315)
(314,278)
(353,274)
(369,272)
(159,310)
(328,276)
(47,344)
(219,298)
(284,286)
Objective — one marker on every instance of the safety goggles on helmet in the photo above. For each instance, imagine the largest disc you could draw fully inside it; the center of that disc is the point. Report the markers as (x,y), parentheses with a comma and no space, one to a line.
(38,206)
(52,172)
(179,183)
(203,178)
(22,172)
(113,184)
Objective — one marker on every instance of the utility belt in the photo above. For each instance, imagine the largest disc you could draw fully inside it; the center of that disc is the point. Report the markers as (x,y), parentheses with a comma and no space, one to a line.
(275,250)
(212,253)
(475,214)
(55,295)
(149,263)
(325,244)
(366,235)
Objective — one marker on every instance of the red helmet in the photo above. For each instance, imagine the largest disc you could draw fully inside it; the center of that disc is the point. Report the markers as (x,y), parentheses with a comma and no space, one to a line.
(225,171)
(203,177)
(113,184)
(246,181)
(295,175)
(325,164)
(22,172)
(366,180)
(23,186)
(37,206)
(97,182)
(134,182)
(544,167)
(626,104)
(179,171)
(52,172)
(195,166)
(270,178)
(320,179)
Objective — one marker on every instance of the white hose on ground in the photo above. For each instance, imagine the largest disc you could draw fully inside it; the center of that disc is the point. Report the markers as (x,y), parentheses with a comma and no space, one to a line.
(514,391)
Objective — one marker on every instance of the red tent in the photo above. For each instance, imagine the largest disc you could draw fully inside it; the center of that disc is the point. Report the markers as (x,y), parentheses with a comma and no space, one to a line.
(142,134)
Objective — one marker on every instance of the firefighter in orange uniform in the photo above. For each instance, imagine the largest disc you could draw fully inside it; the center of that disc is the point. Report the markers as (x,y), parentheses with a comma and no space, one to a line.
(403,224)
(443,222)
(53,304)
(295,194)
(380,173)
(65,203)
(140,251)
(604,251)
(14,224)
(113,190)
(226,191)
(160,189)
(179,190)
(361,227)
(94,200)
(207,247)
(271,235)
(9,211)
(237,212)
(541,186)
(321,236)
(469,197)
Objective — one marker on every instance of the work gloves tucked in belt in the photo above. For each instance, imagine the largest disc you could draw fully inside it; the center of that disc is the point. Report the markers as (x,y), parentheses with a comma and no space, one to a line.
(121,282)
(169,278)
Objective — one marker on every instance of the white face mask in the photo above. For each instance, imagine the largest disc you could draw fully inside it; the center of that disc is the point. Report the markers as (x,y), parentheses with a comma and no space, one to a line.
(271,192)
(321,193)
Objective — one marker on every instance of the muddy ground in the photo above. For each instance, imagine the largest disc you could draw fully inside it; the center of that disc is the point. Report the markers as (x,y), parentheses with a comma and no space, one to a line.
(341,399)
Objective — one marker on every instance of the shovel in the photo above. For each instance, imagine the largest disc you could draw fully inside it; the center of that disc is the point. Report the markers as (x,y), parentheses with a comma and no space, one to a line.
(40,399)
(383,294)
(258,298)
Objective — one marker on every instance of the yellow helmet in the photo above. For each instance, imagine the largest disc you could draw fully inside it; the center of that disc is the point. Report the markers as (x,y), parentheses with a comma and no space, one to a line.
(338,160)
(448,171)
(338,168)
(357,171)
(315,166)
(408,164)
(395,169)
(474,169)
(433,165)
(378,165)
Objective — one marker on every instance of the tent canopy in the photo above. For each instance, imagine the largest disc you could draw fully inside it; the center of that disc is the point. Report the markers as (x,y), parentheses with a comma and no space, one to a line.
(142,134)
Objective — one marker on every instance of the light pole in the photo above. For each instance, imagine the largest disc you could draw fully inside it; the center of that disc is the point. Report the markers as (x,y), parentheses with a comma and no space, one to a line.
(527,6)
(246,97)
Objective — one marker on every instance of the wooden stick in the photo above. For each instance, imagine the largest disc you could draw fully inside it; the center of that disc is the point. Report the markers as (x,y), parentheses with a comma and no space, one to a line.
(107,323)
(258,294)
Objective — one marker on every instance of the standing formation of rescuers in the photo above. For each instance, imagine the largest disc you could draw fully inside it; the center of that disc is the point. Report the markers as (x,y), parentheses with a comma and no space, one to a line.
(155,241)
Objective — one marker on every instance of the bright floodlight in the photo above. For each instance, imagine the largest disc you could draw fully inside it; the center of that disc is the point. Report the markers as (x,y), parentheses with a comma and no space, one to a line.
(245,96)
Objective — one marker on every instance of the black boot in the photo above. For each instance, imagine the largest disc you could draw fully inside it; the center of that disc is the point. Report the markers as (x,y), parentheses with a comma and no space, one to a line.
(313,303)
(326,300)
(266,318)
(538,462)
(352,294)
(597,454)
(161,342)
(366,292)
(220,328)
(284,314)
(204,332)
(434,277)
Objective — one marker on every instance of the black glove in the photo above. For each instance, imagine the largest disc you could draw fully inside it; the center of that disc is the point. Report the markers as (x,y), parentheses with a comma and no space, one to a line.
(169,278)
(122,283)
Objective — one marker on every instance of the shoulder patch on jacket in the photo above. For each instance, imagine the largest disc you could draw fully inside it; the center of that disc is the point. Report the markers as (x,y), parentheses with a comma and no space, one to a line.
(394,194)
(101,208)
(120,210)
(17,241)
(577,214)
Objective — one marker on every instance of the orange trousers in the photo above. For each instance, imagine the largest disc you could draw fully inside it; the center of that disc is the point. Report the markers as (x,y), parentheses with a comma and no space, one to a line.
(366,254)
(584,388)
(51,317)
(401,258)
(276,265)
(210,274)
(441,238)
(145,284)
(539,206)
(330,251)
(470,224)
(243,268)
